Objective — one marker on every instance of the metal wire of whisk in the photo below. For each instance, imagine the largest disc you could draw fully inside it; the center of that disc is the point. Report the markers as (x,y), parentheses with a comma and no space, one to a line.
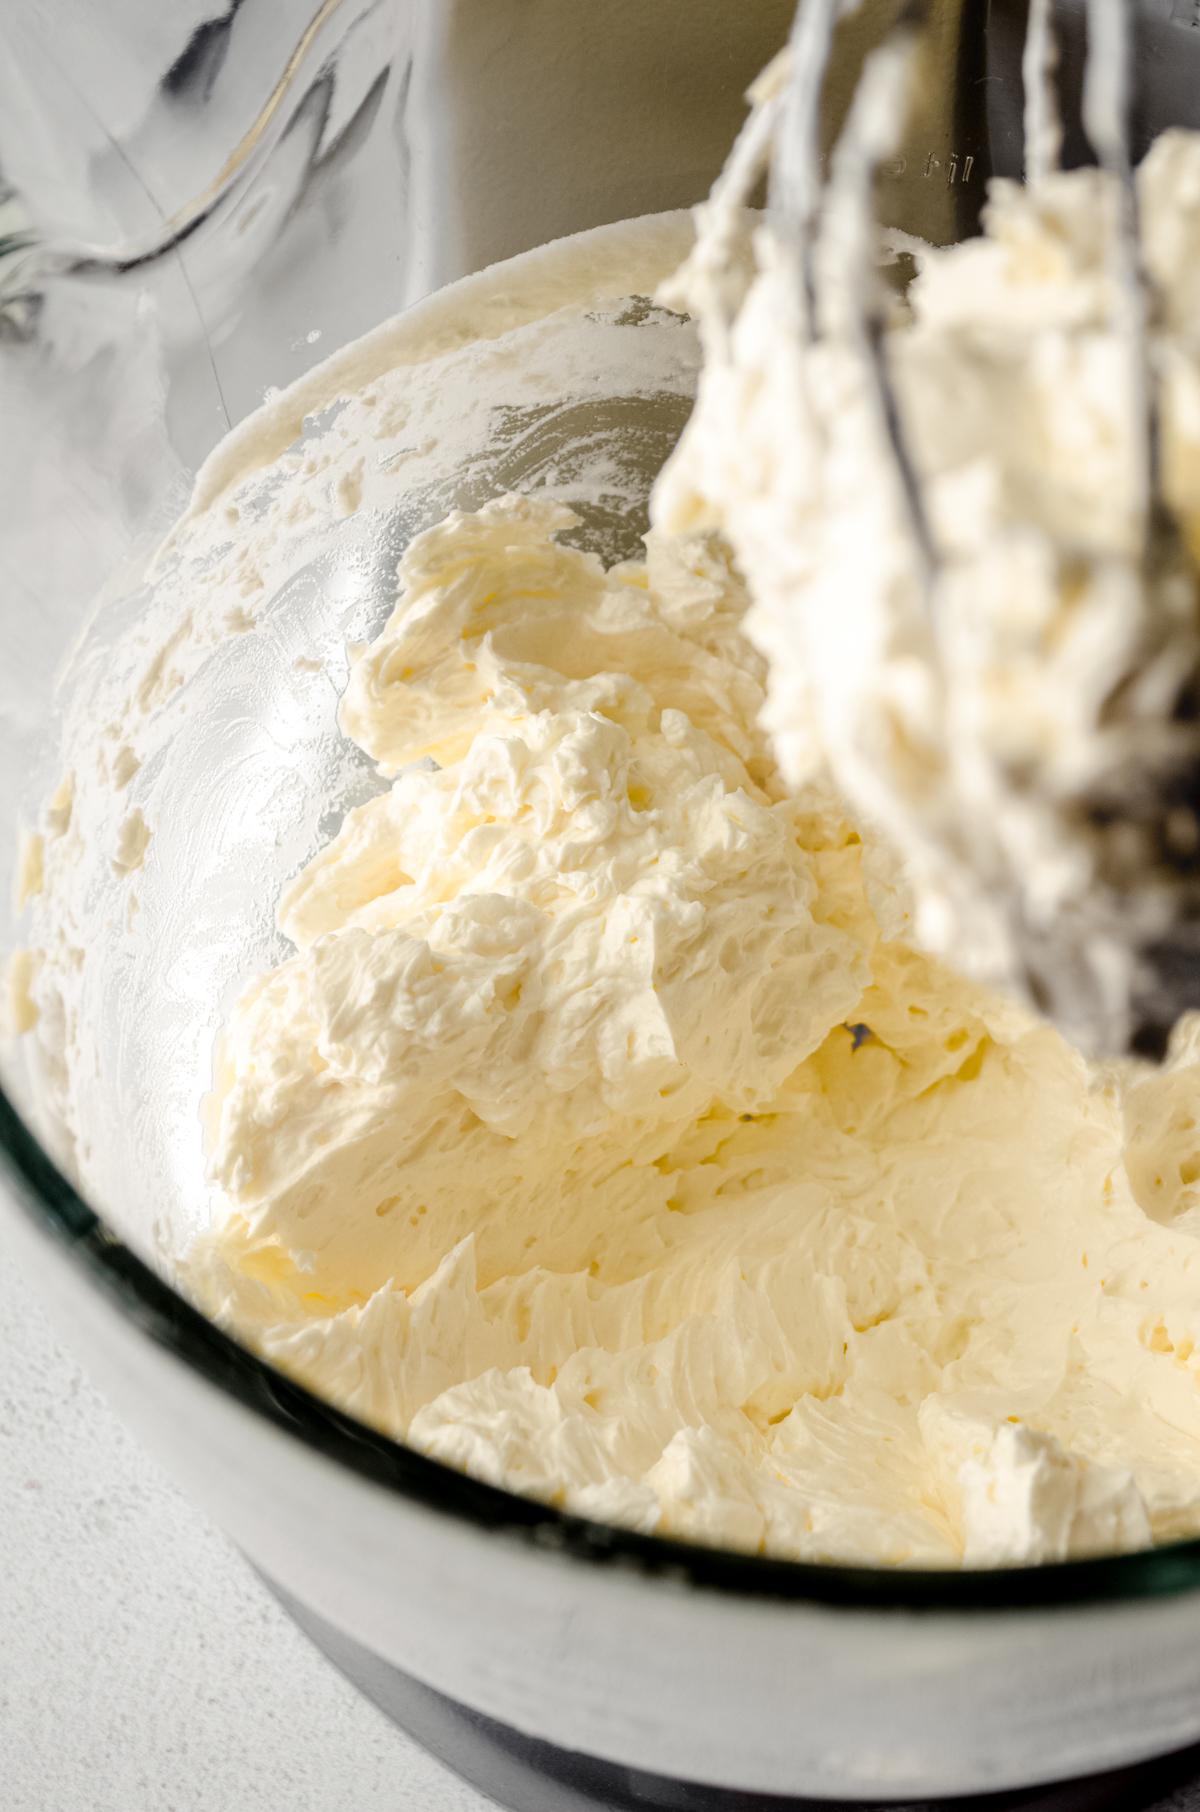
(1116,958)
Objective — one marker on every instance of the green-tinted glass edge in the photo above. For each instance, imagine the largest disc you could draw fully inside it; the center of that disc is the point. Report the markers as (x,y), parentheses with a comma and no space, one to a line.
(171,1322)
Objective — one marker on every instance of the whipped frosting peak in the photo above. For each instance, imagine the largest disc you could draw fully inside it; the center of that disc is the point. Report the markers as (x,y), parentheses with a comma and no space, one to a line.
(573,918)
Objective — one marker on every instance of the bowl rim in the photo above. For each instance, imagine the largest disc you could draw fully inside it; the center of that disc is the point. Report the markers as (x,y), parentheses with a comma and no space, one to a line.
(166,1318)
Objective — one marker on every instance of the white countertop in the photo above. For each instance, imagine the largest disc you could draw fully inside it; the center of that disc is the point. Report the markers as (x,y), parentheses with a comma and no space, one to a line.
(143,1668)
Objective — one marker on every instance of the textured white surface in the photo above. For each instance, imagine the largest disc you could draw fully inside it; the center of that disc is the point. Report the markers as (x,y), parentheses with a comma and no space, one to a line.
(144,1668)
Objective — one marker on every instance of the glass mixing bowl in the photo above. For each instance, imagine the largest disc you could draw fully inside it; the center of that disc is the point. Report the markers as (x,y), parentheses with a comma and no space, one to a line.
(387,154)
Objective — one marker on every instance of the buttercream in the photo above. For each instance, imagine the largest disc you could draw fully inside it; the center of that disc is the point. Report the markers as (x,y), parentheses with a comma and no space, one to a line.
(976,623)
(596,1141)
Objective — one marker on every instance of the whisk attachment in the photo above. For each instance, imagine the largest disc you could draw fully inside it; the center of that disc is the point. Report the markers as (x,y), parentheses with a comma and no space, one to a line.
(850,301)
(1043,125)
(831,227)
(1119,959)
(1106,121)
(1029,741)
(712,281)
(796,184)
(1106,86)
